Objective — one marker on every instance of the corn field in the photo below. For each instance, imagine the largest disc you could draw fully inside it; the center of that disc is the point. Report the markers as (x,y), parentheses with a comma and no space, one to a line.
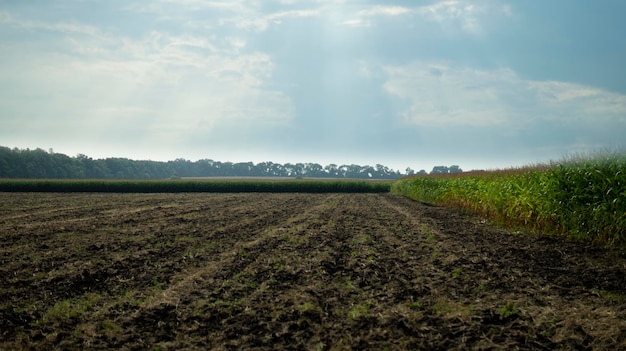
(584,198)
(194,185)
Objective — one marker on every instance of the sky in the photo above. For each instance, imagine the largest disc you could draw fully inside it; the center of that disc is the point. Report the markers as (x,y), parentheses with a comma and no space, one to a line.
(481,84)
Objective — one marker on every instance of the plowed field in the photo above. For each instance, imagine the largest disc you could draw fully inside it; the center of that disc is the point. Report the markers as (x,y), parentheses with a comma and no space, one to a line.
(293,271)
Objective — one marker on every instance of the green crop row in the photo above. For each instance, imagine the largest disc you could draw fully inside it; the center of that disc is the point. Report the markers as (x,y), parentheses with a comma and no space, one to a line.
(578,197)
(195,185)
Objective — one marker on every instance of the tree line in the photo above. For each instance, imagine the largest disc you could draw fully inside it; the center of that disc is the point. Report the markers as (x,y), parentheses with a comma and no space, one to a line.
(38,163)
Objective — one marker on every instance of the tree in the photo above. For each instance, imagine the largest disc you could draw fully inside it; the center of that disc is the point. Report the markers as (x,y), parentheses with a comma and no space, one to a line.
(455,169)
(332,170)
(314,170)
(439,170)
(242,169)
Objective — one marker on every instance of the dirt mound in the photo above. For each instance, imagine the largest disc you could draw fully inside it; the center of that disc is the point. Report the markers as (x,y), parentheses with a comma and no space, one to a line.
(293,271)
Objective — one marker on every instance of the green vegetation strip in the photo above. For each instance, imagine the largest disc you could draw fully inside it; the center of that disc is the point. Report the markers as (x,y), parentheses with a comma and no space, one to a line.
(580,197)
(195,185)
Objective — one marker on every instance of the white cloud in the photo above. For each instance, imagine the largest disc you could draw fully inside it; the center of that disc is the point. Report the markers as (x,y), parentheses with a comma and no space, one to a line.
(464,14)
(384,10)
(439,94)
(467,15)
(230,5)
(576,103)
(160,87)
(356,23)
(263,21)
(63,27)
(241,14)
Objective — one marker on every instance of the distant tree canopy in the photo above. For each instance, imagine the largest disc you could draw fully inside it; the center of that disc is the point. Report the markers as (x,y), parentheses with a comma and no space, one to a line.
(446,170)
(38,163)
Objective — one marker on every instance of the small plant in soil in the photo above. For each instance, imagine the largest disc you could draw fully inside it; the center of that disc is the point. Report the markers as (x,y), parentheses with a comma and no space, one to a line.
(508,310)
(358,311)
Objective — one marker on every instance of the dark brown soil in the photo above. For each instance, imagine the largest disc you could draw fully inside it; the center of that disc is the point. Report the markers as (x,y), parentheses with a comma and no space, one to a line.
(293,271)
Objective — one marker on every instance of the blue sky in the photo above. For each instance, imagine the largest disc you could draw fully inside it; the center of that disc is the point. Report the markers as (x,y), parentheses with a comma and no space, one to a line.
(480,84)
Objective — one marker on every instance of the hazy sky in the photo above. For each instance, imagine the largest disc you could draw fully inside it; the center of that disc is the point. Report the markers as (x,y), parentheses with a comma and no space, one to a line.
(480,84)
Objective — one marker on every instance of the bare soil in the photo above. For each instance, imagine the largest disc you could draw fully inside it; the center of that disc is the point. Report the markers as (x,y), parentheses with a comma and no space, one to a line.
(293,271)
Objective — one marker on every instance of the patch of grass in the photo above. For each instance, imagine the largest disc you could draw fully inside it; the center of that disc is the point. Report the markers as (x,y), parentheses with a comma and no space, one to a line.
(415,305)
(308,307)
(457,272)
(426,230)
(71,308)
(609,295)
(359,310)
(348,284)
(508,310)
(110,328)
(442,308)
(452,309)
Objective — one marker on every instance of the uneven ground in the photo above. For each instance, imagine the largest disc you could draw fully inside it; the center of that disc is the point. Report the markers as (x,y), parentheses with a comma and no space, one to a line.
(293,271)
